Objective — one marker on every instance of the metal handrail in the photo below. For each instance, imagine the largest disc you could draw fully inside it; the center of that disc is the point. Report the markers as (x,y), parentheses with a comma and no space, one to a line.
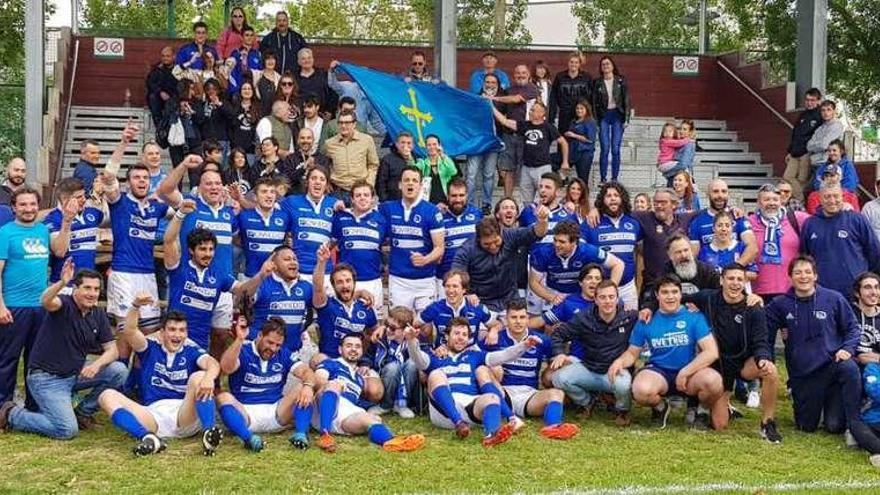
(60,163)
(754,93)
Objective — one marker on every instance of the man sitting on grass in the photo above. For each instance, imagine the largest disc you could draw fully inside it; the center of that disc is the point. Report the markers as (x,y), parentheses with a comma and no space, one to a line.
(256,402)
(176,384)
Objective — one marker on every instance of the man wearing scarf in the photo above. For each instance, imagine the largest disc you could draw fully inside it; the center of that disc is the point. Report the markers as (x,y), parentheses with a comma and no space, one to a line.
(777,231)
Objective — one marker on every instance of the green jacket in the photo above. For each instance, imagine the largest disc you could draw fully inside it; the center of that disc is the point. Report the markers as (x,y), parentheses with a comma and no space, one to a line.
(446,169)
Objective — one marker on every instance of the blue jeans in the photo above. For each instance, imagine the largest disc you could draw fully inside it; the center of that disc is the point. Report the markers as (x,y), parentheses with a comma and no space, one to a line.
(583,164)
(391,374)
(610,139)
(685,156)
(578,383)
(484,165)
(52,393)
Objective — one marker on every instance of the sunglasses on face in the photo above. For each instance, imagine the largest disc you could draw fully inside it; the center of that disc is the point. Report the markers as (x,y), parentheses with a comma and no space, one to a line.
(418,64)
(287,83)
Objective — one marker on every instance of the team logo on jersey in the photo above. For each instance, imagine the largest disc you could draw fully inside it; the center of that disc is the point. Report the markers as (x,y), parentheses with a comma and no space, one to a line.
(328,212)
(820,315)
(90,217)
(212,280)
(659,229)
(277,367)
(33,246)
(303,235)
(789,316)
(298,291)
(225,216)
(185,299)
(279,222)
(469,216)
(621,329)
(738,318)
(254,245)
(842,234)
(628,226)
(372,223)
(771,249)
(814,236)
(577,264)
(680,324)
(182,360)
(417,218)
(361,314)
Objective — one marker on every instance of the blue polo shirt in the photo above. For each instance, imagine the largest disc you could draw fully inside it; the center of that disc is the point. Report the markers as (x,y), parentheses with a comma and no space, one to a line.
(525,370)
(290,302)
(221,221)
(261,235)
(335,321)
(619,237)
(440,313)
(560,274)
(258,381)
(195,292)
(312,224)
(360,241)
(457,229)
(135,224)
(410,232)
(83,245)
(165,375)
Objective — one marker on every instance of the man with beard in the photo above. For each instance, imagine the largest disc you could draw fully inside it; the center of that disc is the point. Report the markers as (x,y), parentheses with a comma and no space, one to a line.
(304,158)
(693,274)
(417,237)
(212,214)
(521,376)
(589,278)
(743,345)
(342,313)
(506,211)
(341,386)
(283,295)
(596,337)
(86,170)
(619,233)
(491,258)
(701,227)
(682,353)
(461,393)
(866,292)
(161,85)
(359,233)
(842,242)
(256,402)
(176,387)
(555,268)
(459,225)
(820,334)
(262,228)
(16,174)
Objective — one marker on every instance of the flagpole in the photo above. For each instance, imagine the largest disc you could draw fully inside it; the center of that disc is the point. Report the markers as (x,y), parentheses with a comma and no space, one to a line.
(445,40)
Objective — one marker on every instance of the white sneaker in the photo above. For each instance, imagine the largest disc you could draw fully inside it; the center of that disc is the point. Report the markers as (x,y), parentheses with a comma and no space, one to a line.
(378,410)
(404,412)
(754,400)
(850,440)
(875,460)
(516,423)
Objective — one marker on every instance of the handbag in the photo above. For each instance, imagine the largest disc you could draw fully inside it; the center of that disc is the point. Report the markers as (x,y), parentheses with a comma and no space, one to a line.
(176,134)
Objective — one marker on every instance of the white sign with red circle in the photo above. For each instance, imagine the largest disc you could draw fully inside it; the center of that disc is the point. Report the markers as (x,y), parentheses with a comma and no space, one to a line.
(685,65)
(109,47)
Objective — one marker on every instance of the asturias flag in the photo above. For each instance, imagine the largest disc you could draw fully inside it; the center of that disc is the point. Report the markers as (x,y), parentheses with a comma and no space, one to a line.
(464,122)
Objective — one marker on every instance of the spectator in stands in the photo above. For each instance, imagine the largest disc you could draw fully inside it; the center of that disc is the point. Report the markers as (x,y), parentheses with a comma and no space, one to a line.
(73,328)
(267,82)
(314,81)
(311,119)
(821,338)
(842,242)
(297,164)
(235,173)
(245,61)
(872,209)
(288,92)
(581,135)
(161,84)
(182,113)
(786,190)
(331,127)
(213,121)
(569,87)
(577,199)
(777,231)
(231,39)
(437,169)
(670,144)
(611,106)
(243,114)
(797,161)
(688,198)
(538,136)
(830,129)
(485,164)
(353,154)
(836,153)
(269,163)
(490,62)
(366,114)
(518,99)
(16,174)
(276,126)
(418,69)
(285,43)
(641,202)
(831,175)
(391,167)
(541,78)
(686,154)
(192,55)
(86,168)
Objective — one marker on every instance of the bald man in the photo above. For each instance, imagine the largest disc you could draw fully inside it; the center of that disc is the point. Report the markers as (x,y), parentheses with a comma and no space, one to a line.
(161,84)
(16,174)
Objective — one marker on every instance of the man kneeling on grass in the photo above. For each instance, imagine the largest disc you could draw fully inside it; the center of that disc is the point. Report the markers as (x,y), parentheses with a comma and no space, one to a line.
(460,386)
(341,386)
(176,384)
(256,402)
(682,352)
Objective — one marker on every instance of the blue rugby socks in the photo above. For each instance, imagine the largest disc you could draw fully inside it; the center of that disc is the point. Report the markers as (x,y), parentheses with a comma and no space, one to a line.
(329,401)
(235,421)
(205,412)
(442,396)
(127,422)
(553,413)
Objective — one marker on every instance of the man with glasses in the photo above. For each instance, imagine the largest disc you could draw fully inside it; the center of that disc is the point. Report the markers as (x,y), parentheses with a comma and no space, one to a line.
(797,161)
(785,196)
(353,154)
(285,43)
(418,69)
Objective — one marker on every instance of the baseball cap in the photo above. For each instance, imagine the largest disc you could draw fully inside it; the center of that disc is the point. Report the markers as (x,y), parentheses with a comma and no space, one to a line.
(831,169)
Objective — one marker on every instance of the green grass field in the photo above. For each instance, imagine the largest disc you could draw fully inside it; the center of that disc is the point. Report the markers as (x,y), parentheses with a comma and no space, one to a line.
(602,459)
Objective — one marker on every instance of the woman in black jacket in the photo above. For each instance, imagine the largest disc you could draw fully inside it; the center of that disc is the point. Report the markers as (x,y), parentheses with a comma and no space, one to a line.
(242,116)
(569,87)
(611,108)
